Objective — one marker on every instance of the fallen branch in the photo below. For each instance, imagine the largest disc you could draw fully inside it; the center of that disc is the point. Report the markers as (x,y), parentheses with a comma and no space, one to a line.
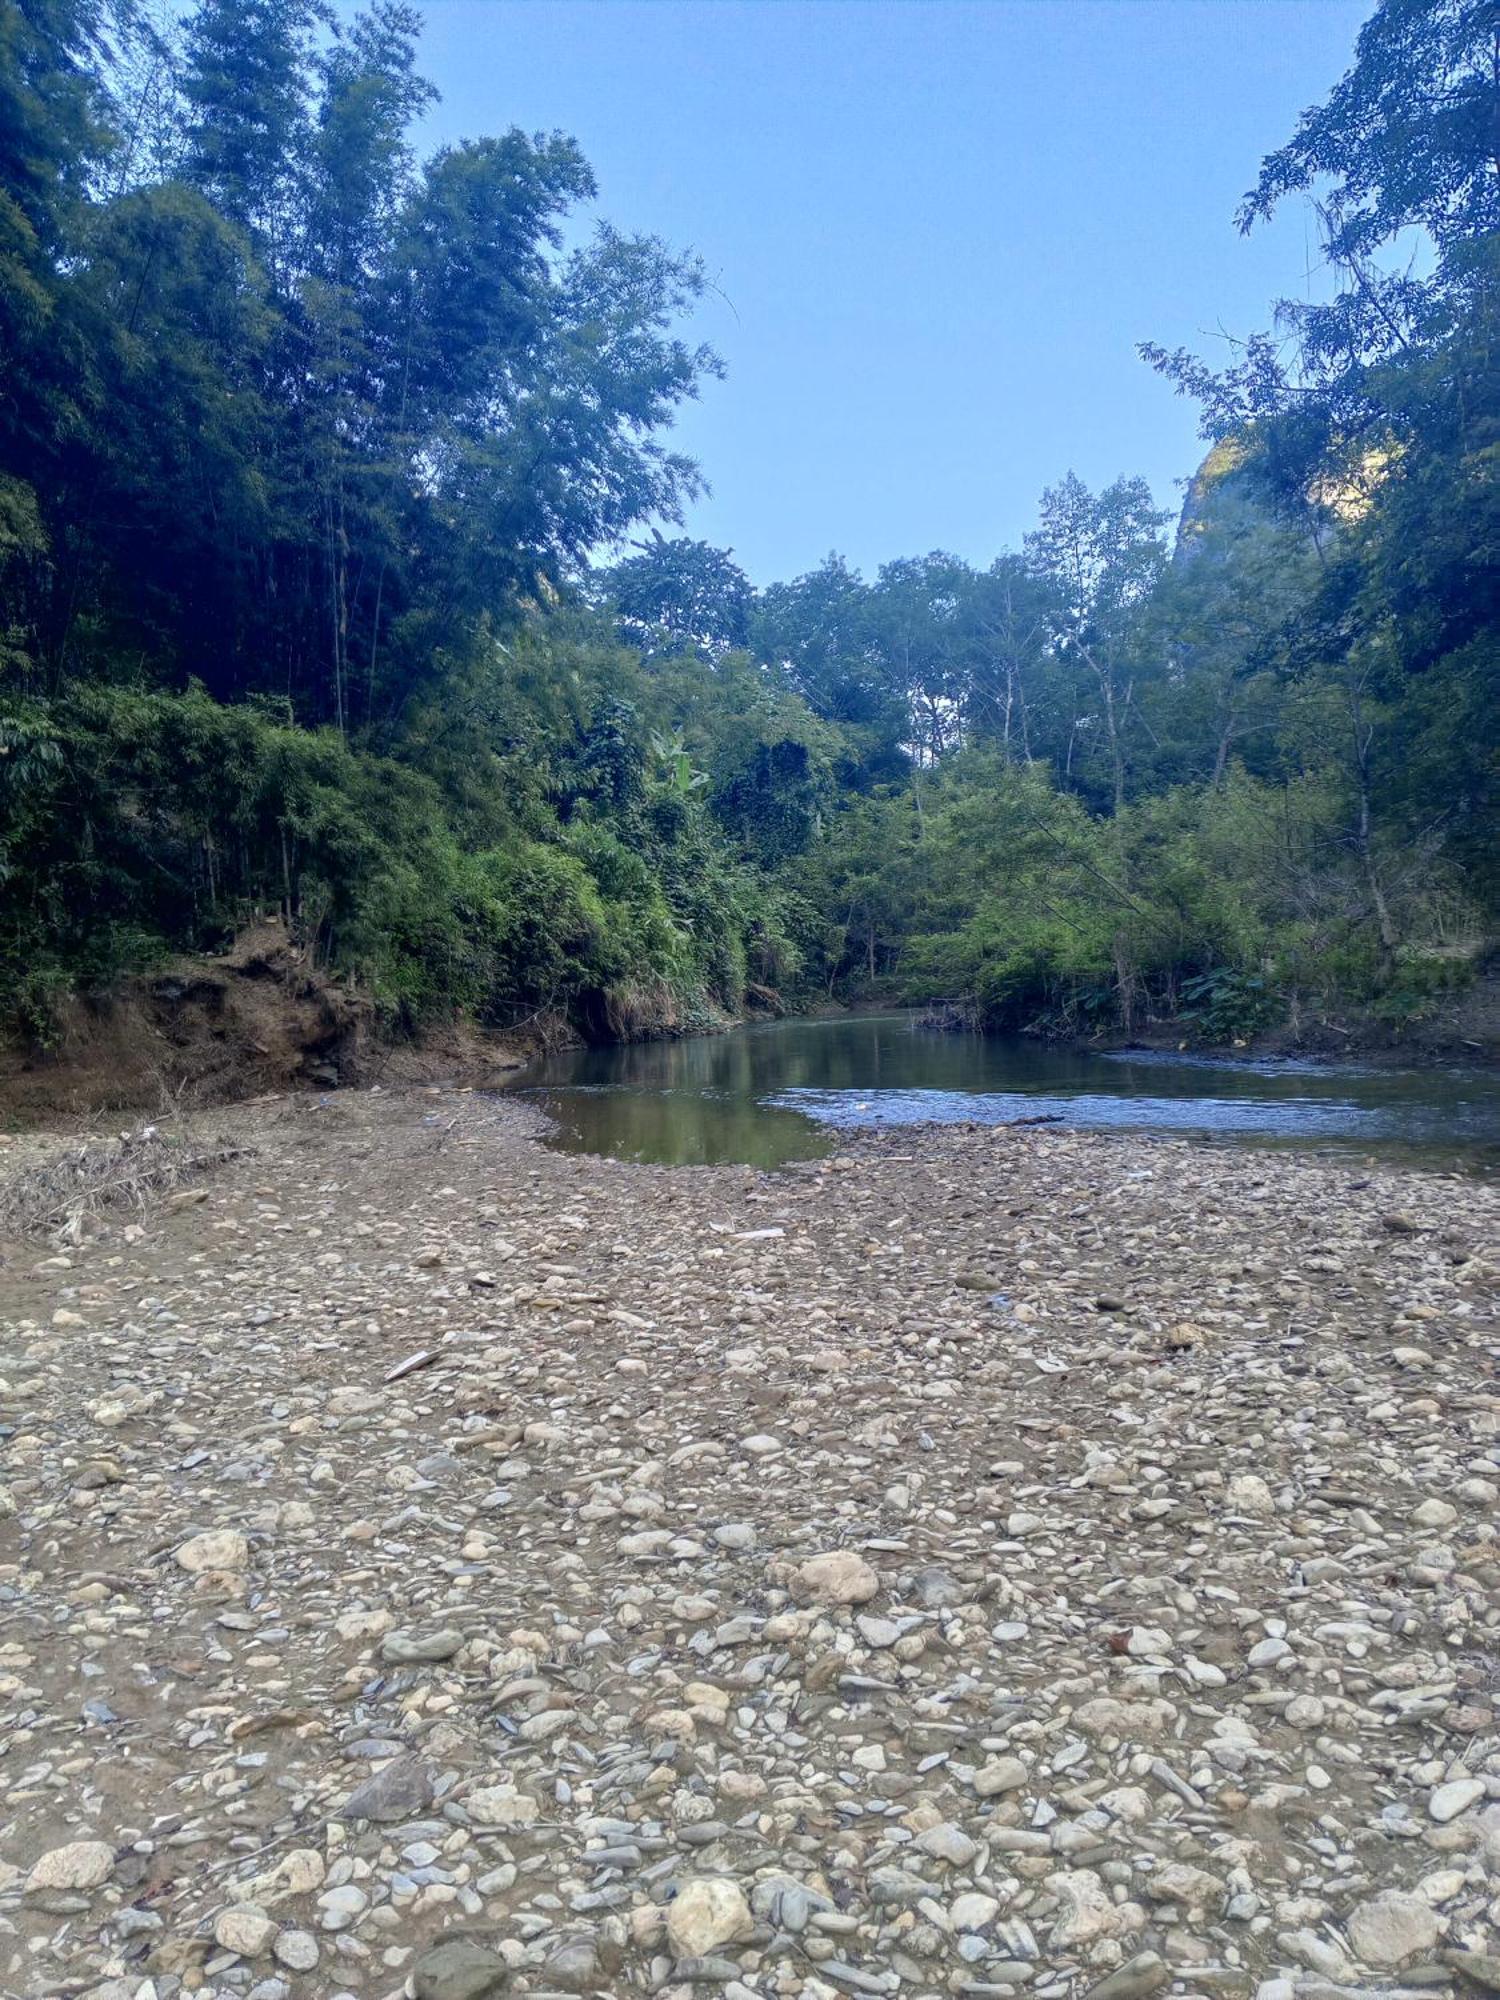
(57,1196)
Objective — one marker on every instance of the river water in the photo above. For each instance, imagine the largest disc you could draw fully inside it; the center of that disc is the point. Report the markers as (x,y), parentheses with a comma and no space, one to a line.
(767,1095)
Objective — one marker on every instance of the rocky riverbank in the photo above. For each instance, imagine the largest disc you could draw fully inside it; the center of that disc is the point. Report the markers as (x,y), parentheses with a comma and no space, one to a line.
(978,1563)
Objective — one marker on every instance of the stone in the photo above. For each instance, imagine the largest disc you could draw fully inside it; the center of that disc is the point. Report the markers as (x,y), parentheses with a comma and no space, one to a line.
(1146,1642)
(420,1648)
(342,1906)
(399,1790)
(1143,1721)
(895,1888)
(973,1911)
(838,1576)
(297,1873)
(1483,1967)
(1449,1800)
(296,1950)
(218,1549)
(502,1806)
(457,1969)
(80,1864)
(1086,1909)
(879,1633)
(1194,1888)
(580,1963)
(244,1929)
(935,1589)
(708,1911)
(949,1843)
(1249,1495)
(1146,1973)
(1392,1928)
(1000,1775)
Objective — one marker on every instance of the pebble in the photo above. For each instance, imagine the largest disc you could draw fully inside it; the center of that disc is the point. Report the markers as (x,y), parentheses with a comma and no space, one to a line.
(863,1636)
(1001,1775)
(245,1930)
(1449,1800)
(398,1791)
(413,1648)
(459,1970)
(296,1950)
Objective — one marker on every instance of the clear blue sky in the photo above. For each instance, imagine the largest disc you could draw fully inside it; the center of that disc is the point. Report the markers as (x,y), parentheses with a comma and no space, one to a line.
(939,229)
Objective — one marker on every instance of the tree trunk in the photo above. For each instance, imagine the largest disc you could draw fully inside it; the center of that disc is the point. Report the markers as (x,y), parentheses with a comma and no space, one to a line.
(1125,983)
(1221,755)
(1362,731)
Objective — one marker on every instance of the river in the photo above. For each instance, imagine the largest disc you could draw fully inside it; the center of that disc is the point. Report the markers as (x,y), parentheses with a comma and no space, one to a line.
(768,1095)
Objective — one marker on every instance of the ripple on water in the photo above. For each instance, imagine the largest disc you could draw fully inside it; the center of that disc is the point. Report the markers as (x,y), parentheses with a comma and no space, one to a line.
(768,1095)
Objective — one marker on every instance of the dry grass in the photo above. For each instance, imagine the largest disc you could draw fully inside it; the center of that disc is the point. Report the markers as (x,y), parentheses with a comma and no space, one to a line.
(58,1194)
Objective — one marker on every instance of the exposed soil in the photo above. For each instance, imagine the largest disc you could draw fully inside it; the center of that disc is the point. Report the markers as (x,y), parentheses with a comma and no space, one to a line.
(975,1564)
(261,1018)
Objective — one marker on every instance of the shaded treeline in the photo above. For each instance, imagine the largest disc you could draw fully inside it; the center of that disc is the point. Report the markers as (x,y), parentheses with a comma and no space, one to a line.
(308,451)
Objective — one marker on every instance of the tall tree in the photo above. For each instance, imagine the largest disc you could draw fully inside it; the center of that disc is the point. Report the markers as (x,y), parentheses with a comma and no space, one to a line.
(247,81)
(1101,553)
(54,132)
(817,630)
(679,592)
(1011,612)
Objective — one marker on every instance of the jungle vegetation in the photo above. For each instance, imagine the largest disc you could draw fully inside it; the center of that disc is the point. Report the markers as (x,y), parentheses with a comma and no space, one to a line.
(340,576)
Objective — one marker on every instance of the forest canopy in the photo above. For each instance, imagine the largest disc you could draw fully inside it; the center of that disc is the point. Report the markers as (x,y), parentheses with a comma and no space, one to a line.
(342,576)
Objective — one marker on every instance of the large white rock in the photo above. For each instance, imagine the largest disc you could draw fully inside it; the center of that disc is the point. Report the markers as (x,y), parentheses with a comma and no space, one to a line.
(1001,1775)
(244,1929)
(1250,1495)
(1391,1928)
(1142,1721)
(707,1913)
(81,1864)
(1194,1888)
(1449,1800)
(219,1548)
(973,1910)
(299,1871)
(501,1805)
(363,1624)
(838,1576)
(1087,1909)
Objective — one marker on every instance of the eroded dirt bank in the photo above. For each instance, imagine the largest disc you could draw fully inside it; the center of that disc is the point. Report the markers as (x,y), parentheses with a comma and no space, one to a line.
(260,1017)
(978,1563)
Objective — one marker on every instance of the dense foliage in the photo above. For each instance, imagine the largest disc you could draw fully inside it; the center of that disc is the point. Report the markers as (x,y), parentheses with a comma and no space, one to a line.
(308,452)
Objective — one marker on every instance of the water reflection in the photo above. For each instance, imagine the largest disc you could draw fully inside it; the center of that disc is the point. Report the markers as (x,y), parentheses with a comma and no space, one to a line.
(772,1094)
(679,1129)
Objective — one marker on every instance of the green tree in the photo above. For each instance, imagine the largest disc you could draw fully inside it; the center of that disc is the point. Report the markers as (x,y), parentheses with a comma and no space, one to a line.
(817,631)
(1100,554)
(247,83)
(680,592)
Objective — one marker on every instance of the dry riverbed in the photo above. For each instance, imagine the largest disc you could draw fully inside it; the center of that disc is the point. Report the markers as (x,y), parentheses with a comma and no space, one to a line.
(982,1563)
